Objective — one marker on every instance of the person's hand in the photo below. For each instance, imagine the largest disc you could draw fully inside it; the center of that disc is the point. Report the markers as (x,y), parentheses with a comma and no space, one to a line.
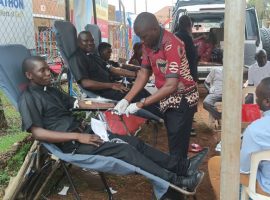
(90,139)
(133,108)
(120,107)
(120,87)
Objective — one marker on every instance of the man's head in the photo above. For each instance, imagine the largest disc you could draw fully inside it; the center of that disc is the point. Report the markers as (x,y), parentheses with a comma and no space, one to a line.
(263,94)
(261,57)
(185,23)
(105,50)
(86,42)
(147,29)
(37,70)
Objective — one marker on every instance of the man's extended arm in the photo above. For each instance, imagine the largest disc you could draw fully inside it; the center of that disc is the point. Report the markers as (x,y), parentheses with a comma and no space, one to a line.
(141,80)
(96,85)
(94,105)
(57,136)
(168,88)
(122,72)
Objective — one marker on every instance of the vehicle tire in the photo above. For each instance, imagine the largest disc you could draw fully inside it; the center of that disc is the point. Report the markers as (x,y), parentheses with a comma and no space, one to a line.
(265,36)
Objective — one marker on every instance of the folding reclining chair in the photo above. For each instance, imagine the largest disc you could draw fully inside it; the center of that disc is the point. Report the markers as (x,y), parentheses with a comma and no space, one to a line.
(13,82)
(66,38)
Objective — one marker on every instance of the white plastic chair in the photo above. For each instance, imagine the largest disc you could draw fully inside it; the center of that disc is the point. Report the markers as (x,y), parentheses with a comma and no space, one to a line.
(250,191)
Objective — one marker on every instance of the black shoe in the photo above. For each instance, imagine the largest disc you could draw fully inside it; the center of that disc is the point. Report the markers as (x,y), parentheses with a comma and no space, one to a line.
(188,185)
(196,160)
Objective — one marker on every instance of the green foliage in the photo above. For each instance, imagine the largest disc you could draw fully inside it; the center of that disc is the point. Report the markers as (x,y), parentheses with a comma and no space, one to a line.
(4,178)
(7,141)
(251,2)
(14,164)
(13,133)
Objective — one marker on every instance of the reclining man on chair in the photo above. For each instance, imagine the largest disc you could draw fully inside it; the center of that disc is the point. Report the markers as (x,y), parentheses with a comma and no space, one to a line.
(93,74)
(46,114)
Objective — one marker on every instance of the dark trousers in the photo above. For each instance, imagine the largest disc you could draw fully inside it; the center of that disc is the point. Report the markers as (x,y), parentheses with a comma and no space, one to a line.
(117,95)
(139,154)
(178,122)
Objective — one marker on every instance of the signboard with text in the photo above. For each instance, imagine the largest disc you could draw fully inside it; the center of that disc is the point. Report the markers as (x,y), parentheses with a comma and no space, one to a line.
(17,26)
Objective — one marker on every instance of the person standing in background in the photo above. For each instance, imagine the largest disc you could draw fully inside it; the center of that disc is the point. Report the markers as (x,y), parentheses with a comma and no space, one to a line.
(185,34)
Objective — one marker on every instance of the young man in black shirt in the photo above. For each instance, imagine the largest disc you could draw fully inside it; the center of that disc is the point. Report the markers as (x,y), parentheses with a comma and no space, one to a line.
(46,114)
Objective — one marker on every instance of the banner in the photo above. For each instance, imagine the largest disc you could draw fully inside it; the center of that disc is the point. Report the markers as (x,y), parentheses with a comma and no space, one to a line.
(83,12)
(17,25)
(102,18)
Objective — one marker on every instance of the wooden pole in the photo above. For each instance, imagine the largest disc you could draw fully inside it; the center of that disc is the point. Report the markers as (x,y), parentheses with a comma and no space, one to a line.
(232,97)
(15,183)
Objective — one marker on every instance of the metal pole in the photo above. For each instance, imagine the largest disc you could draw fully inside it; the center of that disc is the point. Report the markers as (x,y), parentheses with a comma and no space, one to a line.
(67,9)
(145,5)
(124,23)
(232,98)
(94,11)
(135,10)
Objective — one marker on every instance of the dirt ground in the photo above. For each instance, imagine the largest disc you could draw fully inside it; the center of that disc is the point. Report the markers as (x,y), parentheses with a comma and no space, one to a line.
(136,187)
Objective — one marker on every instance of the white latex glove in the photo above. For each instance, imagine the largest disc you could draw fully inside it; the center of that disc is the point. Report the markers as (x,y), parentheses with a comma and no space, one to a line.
(120,107)
(131,109)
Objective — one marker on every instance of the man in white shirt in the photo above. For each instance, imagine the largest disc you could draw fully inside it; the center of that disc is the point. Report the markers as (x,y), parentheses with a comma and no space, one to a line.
(260,69)
(213,84)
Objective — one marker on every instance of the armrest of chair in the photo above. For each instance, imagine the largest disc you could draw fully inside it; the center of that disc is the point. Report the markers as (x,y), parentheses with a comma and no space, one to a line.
(148,115)
(256,158)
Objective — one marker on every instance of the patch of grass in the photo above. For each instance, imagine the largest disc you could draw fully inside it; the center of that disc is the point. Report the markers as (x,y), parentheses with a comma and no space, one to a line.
(7,141)
(13,133)
(12,115)
(14,164)
(4,178)
(16,161)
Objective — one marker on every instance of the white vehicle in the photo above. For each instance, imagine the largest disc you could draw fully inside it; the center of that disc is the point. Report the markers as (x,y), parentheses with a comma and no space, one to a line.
(208,16)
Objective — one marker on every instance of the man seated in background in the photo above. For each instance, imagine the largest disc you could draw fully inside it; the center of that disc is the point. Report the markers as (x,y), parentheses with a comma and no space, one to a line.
(45,112)
(260,69)
(105,53)
(256,138)
(93,74)
(213,84)
(257,72)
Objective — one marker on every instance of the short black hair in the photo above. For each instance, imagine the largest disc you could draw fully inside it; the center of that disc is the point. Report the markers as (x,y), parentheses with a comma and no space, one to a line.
(184,22)
(261,51)
(82,33)
(102,46)
(28,63)
(265,87)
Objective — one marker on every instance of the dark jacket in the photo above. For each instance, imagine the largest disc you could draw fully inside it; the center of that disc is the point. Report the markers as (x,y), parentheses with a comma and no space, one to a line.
(191,52)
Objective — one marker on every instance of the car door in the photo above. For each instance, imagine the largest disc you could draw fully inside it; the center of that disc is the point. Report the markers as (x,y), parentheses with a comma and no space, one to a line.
(252,36)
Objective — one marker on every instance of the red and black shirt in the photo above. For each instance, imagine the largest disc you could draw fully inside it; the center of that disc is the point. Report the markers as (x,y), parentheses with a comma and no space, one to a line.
(168,60)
